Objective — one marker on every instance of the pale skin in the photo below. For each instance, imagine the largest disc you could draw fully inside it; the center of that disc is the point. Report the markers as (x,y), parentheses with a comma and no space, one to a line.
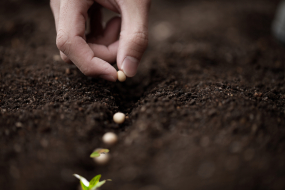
(123,40)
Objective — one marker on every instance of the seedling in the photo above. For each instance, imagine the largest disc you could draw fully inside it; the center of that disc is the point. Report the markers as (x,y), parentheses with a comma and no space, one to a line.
(93,184)
(98,152)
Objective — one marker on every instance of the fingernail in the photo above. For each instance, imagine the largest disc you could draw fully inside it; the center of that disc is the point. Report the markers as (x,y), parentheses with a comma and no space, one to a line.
(130,66)
(108,77)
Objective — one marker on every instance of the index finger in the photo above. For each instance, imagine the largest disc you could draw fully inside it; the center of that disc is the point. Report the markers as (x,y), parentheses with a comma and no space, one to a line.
(71,40)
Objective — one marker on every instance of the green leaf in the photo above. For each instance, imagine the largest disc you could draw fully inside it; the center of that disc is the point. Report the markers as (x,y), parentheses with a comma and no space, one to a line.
(84,183)
(83,186)
(99,184)
(98,152)
(93,184)
(94,181)
(95,154)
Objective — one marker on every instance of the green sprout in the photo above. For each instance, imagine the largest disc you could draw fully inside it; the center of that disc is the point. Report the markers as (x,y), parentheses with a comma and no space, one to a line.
(93,184)
(98,152)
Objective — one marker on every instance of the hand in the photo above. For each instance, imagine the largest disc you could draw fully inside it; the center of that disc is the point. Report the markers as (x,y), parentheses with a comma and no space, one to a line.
(92,53)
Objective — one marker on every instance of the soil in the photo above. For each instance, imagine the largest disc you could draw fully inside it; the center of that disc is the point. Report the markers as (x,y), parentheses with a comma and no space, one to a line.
(205,111)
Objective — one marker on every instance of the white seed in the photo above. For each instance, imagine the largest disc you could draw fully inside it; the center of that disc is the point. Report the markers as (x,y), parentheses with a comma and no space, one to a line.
(110,138)
(102,159)
(119,117)
(121,76)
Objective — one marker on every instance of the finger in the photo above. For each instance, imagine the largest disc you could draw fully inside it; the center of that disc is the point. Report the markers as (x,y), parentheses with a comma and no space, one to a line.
(64,57)
(112,30)
(55,5)
(71,40)
(107,53)
(106,47)
(134,35)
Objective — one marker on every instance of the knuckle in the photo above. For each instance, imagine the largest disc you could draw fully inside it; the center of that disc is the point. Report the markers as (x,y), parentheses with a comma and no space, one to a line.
(64,58)
(62,42)
(140,38)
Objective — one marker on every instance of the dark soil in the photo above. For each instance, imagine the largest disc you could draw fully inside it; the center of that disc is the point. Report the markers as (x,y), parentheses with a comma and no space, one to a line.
(206,110)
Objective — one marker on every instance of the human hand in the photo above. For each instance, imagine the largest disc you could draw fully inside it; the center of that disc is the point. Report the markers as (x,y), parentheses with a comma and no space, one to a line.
(92,53)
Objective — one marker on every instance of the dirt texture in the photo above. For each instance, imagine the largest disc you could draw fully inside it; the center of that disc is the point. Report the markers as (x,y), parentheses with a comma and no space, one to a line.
(205,111)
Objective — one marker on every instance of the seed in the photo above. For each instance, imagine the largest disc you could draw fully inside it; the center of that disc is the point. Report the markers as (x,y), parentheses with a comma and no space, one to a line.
(121,76)
(110,138)
(102,159)
(119,117)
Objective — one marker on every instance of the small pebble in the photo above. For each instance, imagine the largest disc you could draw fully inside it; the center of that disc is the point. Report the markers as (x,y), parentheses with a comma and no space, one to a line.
(110,138)
(67,71)
(121,76)
(102,159)
(119,117)
(19,124)
(56,58)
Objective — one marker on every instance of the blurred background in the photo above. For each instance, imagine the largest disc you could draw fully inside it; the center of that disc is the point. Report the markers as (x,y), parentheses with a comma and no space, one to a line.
(170,22)
(196,46)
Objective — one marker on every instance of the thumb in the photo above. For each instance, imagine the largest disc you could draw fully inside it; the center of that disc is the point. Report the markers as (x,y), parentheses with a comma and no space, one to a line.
(134,35)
